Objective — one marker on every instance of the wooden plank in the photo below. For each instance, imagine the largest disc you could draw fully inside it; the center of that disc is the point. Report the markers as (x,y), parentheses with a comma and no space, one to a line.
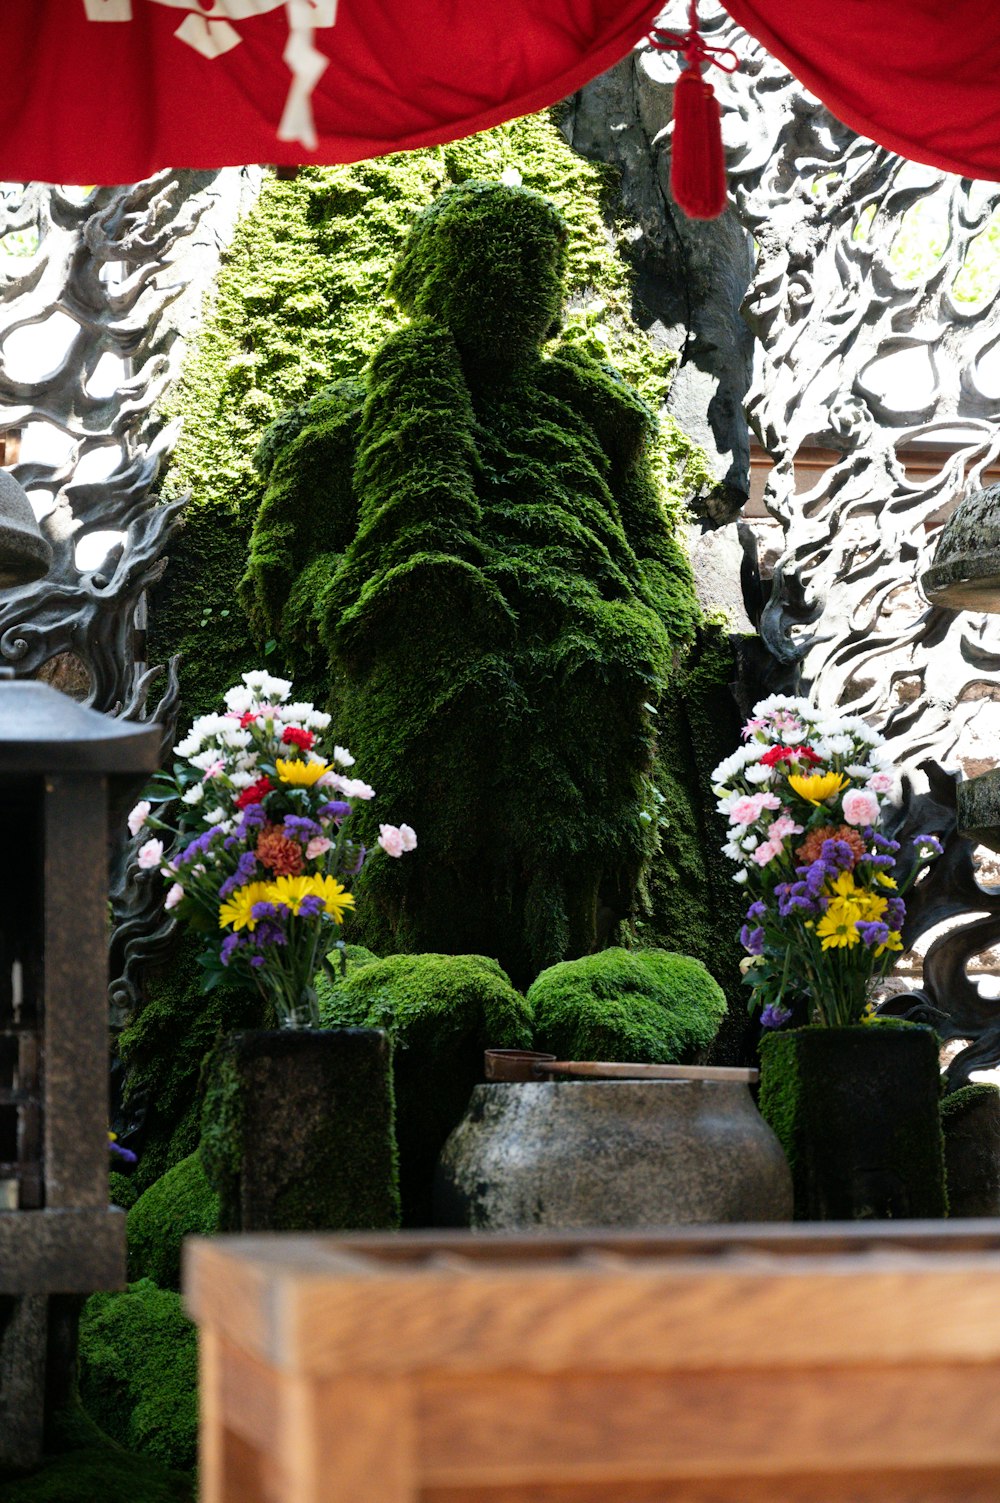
(680,1318)
(347,1441)
(897,1486)
(519,1429)
(211,1445)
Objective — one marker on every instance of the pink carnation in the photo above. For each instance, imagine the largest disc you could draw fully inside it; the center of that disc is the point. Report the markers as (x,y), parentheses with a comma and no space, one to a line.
(860,807)
(766,852)
(782,826)
(748,808)
(139,815)
(880,782)
(390,839)
(318,846)
(174,896)
(150,854)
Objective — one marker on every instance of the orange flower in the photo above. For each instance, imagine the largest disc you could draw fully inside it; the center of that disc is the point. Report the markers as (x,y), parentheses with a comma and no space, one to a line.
(812,847)
(278,853)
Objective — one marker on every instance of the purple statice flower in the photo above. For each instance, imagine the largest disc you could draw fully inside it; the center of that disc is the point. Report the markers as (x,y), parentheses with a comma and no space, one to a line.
(338,809)
(752,940)
(268,932)
(245,868)
(872,934)
(895,913)
(311,906)
(795,899)
(298,828)
(814,876)
(253,817)
(838,855)
(928,843)
(125,1154)
(198,846)
(256,961)
(756,911)
(884,861)
(775,1015)
(882,842)
(230,945)
(354,860)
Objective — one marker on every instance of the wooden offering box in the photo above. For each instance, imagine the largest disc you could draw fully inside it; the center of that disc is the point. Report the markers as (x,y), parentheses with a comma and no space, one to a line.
(806,1364)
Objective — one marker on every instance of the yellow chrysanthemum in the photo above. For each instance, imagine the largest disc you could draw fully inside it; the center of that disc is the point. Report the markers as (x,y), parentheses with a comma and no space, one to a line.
(837,928)
(844,886)
(817,787)
(884,880)
(236,910)
(894,942)
(336,898)
(300,774)
(291,891)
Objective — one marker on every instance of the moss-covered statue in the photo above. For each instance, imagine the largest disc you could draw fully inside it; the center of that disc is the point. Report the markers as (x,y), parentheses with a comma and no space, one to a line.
(468,553)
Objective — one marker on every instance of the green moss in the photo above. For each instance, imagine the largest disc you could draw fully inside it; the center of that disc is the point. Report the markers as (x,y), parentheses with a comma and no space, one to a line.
(138,1372)
(857,1113)
(690,897)
(122,1190)
(100,1474)
(163,1048)
(645,1006)
(958,1103)
(180,1204)
(442,1012)
(299,1133)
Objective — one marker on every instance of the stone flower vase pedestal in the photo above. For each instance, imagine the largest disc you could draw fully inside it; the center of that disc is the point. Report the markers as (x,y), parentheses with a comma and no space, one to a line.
(857,1111)
(591,1153)
(298,1130)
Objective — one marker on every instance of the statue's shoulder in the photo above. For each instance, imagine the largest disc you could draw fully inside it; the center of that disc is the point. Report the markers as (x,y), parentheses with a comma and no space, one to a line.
(623,422)
(329,420)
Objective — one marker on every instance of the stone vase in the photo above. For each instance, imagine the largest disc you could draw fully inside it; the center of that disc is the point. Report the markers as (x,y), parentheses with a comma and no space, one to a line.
(857,1111)
(591,1153)
(298,1130)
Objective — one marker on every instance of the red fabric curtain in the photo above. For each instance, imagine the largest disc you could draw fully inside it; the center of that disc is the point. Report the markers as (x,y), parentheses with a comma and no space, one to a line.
(106,91)
(919,76)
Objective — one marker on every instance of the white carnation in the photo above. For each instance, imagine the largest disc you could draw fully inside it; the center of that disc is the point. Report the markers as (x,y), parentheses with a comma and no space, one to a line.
(241,779)
(235,738)
(204,759)
(760,773)
(239,699)
(194,795)
(214,816)
(317,720)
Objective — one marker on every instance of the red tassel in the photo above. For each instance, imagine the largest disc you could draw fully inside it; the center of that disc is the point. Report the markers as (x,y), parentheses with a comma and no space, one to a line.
(697,162)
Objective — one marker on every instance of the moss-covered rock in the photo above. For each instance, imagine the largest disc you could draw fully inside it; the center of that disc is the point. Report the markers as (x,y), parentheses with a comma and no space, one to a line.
(100,1474)
(857,1112)
(970,1120)
(163,1047)
(641,1006)
(180,1204)
(442,1012)
(138,1372)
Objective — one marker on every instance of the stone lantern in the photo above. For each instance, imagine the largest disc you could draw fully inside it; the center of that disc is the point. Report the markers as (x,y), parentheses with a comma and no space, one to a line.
(65,772)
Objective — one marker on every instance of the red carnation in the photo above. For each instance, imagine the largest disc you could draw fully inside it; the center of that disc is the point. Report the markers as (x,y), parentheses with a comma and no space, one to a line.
(777,754)
(292,736)
(247,718)
(256,793)
(808,755)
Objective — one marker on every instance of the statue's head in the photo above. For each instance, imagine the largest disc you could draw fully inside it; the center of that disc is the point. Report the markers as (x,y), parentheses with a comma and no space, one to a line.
(487,261)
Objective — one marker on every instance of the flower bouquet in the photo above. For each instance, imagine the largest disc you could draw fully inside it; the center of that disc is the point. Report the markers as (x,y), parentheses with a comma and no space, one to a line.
(260,856)
(805,798)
